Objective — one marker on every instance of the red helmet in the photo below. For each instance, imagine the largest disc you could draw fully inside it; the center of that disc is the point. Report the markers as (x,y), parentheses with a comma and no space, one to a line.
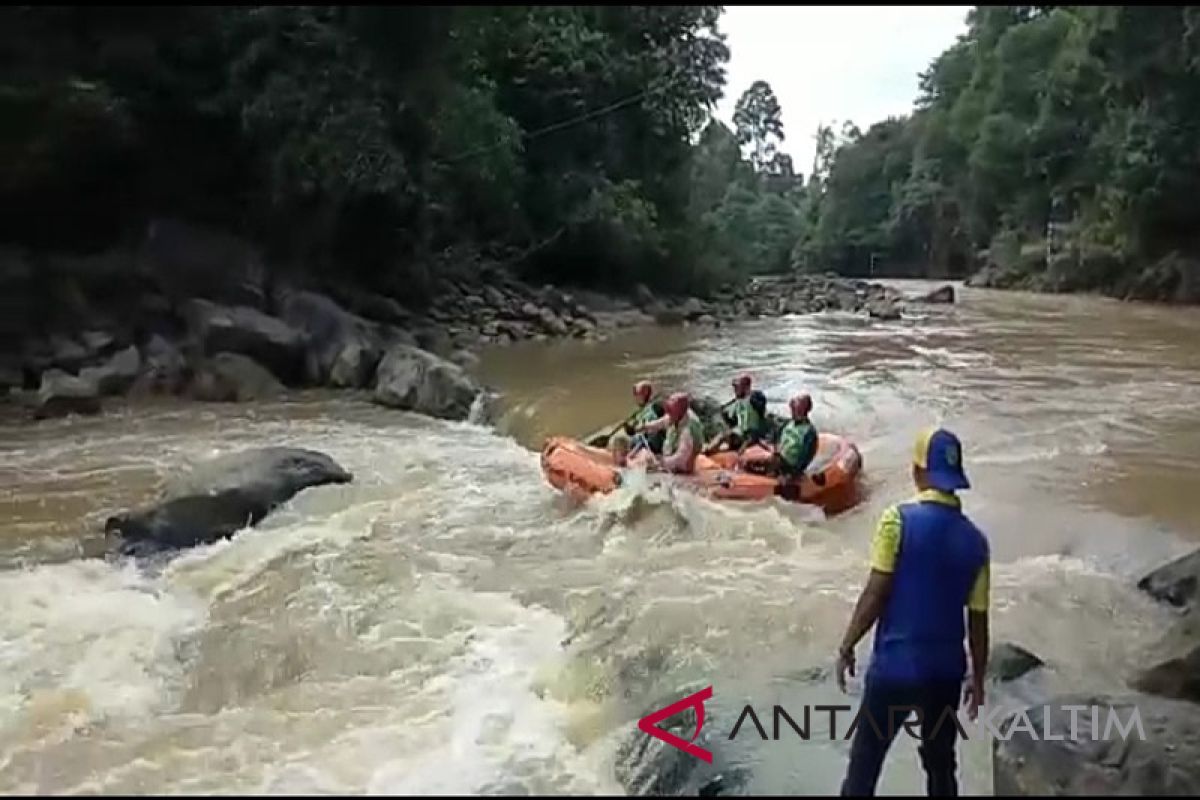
(677,406)
(741,385)
(642,391)
(800,405)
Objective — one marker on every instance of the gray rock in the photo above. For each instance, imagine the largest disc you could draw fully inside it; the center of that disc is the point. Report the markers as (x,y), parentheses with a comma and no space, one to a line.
(163,368)
(1178,678)
(668,316)
(97,343)
(1166,762)
(223,496)
(435,340)
(944,294)
(248,332)
(646,765)
(530,311)
(884,309)
(67,354)
(336,340)
(1175,583)
(233,378)
(465,359)
(1009,661)
(551,323)
(691,309)
(117,375)
(644,297)
(415,380)
(61,395)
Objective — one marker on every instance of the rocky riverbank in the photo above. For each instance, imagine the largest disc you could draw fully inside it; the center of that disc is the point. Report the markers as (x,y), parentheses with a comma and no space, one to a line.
(198,313)
(1174,278)
(1165,696)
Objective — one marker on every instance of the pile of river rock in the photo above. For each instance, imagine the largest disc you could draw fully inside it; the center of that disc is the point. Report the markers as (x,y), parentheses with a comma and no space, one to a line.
(198,313)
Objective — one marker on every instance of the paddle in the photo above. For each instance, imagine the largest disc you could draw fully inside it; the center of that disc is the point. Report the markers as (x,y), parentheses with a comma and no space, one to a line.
(602,439)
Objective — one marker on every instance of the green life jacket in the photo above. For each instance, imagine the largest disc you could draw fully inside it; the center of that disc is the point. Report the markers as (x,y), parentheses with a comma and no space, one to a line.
(693,424)
(747,417)
(798,443)
(646,414)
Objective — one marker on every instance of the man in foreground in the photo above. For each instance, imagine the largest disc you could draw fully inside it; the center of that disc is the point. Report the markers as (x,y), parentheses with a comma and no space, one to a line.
(928,560)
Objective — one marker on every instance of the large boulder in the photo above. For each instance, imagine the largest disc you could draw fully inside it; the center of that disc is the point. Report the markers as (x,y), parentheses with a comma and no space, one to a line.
(646,765)
(115,376)
(883,309)
(1050,761)
(248,332)
(691,309)
(343,349)
(61,395)
(644,297)
(223,496)
(1174,583)
(551,323)
(944,294)
(163,368)
(233,378)
(1178,678)
(415,380)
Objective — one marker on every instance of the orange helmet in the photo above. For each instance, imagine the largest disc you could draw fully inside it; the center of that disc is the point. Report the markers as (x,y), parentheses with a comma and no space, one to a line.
(642,391)
(741,385)
(677,406)
(800,405)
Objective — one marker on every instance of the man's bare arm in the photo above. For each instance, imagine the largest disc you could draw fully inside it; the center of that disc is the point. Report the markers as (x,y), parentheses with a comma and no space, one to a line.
(867,610)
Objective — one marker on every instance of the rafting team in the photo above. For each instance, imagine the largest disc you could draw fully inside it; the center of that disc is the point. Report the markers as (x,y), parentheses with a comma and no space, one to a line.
(668,435)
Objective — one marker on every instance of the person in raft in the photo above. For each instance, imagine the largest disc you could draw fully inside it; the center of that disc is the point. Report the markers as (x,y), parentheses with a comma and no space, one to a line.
(797,441)
(747,421)
(683,440)
(648,410)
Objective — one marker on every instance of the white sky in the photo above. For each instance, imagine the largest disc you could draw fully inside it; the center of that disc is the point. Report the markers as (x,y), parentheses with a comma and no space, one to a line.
(827,63)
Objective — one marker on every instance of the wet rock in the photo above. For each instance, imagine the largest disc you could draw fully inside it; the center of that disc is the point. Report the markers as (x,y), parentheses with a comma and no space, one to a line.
(1174,583)
(67,354)
(646,765)
(61,395)
(944,294)
(691,309)
(1178,678)
(1047,761)
(117,375)
(668,316)
(884,309)
(644,297)
(248,332)
(435,340)
(233,378)
(336,340)
(223,496)
(1009,661)
(415,380)
(465,359)
(163,369)
(98,343)
(551,323)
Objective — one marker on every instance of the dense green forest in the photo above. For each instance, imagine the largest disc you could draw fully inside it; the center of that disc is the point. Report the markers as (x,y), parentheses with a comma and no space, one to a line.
(388,145)
(1054,145)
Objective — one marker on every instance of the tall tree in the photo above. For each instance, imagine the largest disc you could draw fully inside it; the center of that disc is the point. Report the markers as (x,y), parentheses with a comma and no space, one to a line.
(758,121)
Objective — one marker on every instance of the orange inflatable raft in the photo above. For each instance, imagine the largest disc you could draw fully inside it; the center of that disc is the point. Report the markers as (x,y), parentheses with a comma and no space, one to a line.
(830,482)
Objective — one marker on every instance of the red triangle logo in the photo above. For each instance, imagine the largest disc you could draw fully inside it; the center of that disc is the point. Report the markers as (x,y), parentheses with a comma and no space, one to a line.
(649,724)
